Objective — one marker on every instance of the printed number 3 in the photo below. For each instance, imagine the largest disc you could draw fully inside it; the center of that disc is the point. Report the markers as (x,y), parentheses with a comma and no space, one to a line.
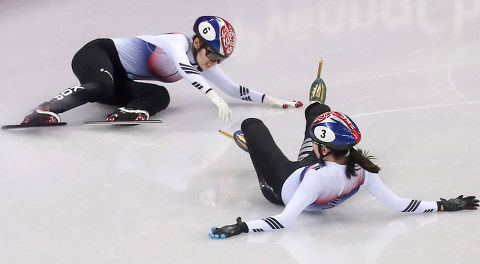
(323,133)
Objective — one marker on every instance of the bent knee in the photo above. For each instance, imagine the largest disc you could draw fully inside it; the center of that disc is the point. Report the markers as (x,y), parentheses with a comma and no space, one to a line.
(250,121)
(160,95)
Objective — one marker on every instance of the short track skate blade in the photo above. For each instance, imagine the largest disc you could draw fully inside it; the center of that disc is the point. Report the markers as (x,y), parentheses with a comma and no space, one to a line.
(30,126)
(121,123)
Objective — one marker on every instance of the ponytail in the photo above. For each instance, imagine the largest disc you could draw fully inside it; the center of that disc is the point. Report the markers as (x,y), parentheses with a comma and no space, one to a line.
(354,157)
(361,158)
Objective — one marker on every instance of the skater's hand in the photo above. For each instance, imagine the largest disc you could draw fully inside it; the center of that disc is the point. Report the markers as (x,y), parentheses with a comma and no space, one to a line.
(280,103)
(224,112)
(229,230)
(459,203)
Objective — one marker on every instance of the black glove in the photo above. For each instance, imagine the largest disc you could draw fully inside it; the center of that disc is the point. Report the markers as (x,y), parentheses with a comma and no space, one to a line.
(229,230)
(457,204)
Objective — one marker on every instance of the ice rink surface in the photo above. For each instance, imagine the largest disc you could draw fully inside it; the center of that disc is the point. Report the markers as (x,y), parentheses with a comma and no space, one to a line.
(406,71)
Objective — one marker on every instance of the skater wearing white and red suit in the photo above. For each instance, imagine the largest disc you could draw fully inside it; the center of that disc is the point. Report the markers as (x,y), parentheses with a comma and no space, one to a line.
(108,69)
(328,172)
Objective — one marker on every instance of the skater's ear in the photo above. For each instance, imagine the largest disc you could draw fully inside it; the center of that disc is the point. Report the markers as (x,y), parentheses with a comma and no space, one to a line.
(197,43)
(324,150)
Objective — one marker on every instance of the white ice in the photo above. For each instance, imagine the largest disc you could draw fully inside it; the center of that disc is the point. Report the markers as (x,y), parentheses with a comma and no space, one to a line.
(406,71)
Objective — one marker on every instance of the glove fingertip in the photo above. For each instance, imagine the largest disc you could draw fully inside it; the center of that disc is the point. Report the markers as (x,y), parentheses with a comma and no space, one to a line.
(222,236)
(217,236)
(211,235)
(213,228)
(298,104)
(285,106)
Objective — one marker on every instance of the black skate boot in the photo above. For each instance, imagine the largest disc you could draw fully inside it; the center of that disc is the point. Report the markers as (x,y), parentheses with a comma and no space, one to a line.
(126,114)
(41,116)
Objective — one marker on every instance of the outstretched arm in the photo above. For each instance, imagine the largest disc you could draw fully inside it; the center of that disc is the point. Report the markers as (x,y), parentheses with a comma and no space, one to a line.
(222,81)
(304,196)
(377,188)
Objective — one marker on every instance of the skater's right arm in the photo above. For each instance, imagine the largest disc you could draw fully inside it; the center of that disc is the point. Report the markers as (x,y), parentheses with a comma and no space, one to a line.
(305,195)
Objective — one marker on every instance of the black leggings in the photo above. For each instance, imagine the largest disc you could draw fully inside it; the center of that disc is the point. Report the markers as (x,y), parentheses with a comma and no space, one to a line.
(104,80)
(271,165)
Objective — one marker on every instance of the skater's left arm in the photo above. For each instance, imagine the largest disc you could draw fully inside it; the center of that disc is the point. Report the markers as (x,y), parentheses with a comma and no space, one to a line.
(377,188)
(222,81)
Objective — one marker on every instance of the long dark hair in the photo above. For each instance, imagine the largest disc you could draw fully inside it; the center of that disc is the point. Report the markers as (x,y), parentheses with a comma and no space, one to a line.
(356,156)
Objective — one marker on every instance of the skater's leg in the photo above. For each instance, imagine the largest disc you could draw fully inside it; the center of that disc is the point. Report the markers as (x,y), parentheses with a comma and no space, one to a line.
(150,97)
(140,101)
(271,165)
(98,68)
(306,153)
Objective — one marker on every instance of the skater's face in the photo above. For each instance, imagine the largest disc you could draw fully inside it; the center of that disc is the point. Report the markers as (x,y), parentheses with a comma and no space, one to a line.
(206,58)
(203,61)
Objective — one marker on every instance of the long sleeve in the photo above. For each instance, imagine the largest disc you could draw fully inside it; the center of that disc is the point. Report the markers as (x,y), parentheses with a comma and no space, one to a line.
(377,188)
(305,195)
(224,83)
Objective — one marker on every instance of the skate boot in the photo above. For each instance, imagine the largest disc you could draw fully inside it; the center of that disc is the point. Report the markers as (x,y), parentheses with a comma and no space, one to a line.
(41,116)
(240,140)
(318,91)
(127,114)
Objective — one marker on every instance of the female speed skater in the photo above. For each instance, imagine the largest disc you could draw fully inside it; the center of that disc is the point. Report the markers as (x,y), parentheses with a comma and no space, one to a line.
(108,69)
(329,174)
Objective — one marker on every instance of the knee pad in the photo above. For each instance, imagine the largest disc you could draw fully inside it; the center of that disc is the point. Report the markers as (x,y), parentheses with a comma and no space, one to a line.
(160,94)
(271,195)
(249,121)
(316,109)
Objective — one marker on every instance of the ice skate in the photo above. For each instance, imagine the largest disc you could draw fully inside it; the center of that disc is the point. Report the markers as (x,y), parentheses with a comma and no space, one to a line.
(127,114)
(240,140)
(318,91)
(41,117)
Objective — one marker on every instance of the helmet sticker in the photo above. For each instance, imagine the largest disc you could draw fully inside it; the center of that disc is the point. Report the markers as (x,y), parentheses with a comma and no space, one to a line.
(322,117)
(207,31)
(228,38)
(325,134)
(346,119)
